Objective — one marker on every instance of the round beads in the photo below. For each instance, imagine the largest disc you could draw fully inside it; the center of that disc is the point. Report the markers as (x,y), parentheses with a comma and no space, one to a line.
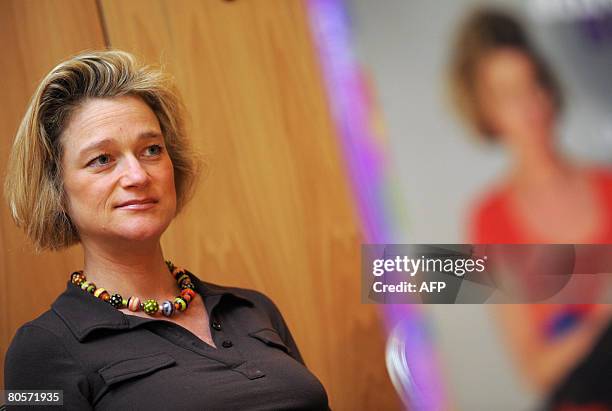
(150,306)
(89,287)
(77,278)
(116,300)
(102,294)
(167,308)
(187,294)
(180,304)
(182,277)
(133,303)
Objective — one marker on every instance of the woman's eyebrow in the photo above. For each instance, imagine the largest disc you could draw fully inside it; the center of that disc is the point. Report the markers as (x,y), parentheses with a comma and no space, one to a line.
(152,134)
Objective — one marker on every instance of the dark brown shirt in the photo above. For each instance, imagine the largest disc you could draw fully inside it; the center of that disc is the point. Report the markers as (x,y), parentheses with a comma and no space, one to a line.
(104,359)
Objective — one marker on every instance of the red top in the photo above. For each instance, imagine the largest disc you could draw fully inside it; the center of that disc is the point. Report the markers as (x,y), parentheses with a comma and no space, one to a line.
(494,221)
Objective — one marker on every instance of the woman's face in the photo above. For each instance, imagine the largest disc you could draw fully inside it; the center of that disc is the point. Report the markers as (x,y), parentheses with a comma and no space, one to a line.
(513,101)
(114,152)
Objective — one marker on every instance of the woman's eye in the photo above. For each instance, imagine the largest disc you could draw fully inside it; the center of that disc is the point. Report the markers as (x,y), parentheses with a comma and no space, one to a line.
(105,159)
(102,160)
(157,149)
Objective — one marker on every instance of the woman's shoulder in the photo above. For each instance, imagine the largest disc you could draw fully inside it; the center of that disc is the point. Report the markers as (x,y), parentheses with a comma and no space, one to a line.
(48,327)
(35,344)
(602,173)
(490,199)
(486,211)
(38,331)
(37,358)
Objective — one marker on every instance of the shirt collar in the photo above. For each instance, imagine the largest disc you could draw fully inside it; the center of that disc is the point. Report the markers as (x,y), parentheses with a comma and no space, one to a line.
(83,313)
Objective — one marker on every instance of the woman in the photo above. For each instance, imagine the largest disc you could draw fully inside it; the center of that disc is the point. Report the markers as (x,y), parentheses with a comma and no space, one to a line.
(102,159)
(507,94)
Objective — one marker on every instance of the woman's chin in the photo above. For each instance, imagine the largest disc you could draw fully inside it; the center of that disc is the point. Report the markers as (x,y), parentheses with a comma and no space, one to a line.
(140,232)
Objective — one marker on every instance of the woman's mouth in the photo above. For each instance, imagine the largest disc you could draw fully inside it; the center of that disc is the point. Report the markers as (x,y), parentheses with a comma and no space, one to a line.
(138,206)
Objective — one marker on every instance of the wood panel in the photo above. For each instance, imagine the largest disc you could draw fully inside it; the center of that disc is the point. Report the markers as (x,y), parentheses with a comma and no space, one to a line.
(275,212)
(34,37)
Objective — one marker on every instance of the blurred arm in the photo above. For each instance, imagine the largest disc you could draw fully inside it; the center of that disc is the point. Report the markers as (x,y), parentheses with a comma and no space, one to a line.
(545,362)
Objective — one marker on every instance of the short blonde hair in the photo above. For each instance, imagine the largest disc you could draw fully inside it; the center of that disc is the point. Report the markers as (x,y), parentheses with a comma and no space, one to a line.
(34,185)
(483,31)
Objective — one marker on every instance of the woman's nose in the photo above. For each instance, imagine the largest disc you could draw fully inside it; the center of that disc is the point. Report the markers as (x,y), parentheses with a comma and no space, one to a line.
(134,173)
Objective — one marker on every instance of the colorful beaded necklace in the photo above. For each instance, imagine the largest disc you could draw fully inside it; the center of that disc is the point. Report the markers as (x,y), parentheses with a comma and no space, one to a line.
(150,306)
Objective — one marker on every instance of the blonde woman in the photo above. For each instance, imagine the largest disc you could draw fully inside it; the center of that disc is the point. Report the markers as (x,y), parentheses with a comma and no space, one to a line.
(102,159)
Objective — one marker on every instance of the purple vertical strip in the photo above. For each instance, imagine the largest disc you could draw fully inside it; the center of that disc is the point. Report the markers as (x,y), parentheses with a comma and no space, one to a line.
(411,357)
(346,93)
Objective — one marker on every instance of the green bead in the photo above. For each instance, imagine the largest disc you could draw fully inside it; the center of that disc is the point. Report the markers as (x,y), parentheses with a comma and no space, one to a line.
(182,278)
(180,304)
(89,287)
(123,303)
(151,306)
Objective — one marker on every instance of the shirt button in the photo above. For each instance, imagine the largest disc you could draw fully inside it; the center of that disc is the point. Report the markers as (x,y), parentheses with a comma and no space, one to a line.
(227,344)
(216,325)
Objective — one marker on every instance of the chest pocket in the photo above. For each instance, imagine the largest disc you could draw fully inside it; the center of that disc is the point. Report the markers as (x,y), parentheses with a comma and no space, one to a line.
(132,368)
(270,337)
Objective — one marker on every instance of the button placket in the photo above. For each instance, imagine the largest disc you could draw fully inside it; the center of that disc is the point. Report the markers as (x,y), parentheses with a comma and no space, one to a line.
(222,337)
(216,325)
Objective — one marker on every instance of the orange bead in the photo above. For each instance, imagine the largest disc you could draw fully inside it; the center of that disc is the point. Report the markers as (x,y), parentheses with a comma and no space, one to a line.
(189,293)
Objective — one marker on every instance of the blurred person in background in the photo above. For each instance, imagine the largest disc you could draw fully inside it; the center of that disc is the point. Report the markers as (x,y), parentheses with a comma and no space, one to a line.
(507,94)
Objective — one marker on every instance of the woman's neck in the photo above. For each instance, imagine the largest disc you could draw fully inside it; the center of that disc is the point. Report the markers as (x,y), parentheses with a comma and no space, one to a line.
(134,271)
(538,165)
